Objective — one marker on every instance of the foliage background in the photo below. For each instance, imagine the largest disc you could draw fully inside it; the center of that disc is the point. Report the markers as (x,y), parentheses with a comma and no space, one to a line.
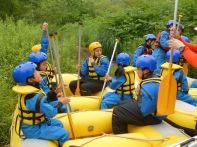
(103,20)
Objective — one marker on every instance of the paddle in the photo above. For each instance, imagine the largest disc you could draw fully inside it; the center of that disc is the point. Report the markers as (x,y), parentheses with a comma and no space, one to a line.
(185,66)
(51,55)
(77,91)
(105,81)
(55,50)
(168,86)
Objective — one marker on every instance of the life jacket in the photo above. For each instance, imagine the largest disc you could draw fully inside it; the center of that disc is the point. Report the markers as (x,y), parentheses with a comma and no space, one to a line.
(175,67)
(147,51)
(25,116)
(91,71)
(158,41)
(128,86)
(49,74)
(155,79)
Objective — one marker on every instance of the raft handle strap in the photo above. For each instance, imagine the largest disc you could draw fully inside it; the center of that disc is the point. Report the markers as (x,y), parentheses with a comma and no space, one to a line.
(126,137)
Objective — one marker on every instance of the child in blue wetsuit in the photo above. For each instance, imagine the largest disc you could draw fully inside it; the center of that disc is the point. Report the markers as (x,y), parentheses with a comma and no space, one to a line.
(122,83)
(162,38)
(35,114)
(92,71)
(142,111)
(40,59)
(146,48)
(179,75)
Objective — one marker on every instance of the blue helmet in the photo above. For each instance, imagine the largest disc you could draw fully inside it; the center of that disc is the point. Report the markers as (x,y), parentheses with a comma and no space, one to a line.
(185,39)
(146,61)
(123,58)
(37,57)
(150,36)
(23,71)
(176,56)
(169,23)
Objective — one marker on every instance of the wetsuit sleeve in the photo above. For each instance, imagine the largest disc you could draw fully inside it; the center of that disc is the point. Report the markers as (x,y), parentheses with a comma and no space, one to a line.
(181,77)
(137,53)
(117,82)
(43,85)
(84,68)
(44,42)
(44,106)
(102,69)
(164,39)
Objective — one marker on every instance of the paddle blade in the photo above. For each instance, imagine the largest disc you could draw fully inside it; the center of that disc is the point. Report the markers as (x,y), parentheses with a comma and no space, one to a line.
(167,95)
(77,91)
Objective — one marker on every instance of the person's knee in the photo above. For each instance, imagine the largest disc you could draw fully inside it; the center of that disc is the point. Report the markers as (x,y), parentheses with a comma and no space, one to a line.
(117,125)
(115,110)
(85,91)
(103,105)
(64,136)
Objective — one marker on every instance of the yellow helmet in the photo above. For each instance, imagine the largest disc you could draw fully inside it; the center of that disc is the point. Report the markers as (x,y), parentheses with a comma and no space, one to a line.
(93,46)
(36,48)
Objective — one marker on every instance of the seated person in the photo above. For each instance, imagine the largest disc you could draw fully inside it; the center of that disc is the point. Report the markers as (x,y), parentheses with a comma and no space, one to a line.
(35,114)
(179,75)
(49,87)
(93,71)
(142,111)
(122,82)
(146,48)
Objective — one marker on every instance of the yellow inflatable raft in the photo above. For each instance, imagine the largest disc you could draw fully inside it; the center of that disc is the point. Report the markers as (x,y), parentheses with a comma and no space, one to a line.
(193,92)
(82,103)
(182,110)
(91,131)
(190,80)
(185,117)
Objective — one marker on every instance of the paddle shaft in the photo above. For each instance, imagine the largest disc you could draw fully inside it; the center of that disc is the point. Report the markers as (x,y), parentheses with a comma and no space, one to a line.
(77,91)
(174,26)
(56,54)
(55,50)
(52,54)
(105,81)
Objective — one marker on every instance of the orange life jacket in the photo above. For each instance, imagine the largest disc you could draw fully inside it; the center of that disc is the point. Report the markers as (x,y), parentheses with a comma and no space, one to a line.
(147,51)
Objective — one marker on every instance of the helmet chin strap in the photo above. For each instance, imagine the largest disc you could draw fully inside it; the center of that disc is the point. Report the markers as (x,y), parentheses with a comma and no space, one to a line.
(146,75)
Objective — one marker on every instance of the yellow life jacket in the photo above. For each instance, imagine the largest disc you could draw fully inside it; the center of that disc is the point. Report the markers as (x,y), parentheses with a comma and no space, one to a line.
(128,86)
(153,79)
(91,71)
(24,114)
(175,67)
(49,74)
